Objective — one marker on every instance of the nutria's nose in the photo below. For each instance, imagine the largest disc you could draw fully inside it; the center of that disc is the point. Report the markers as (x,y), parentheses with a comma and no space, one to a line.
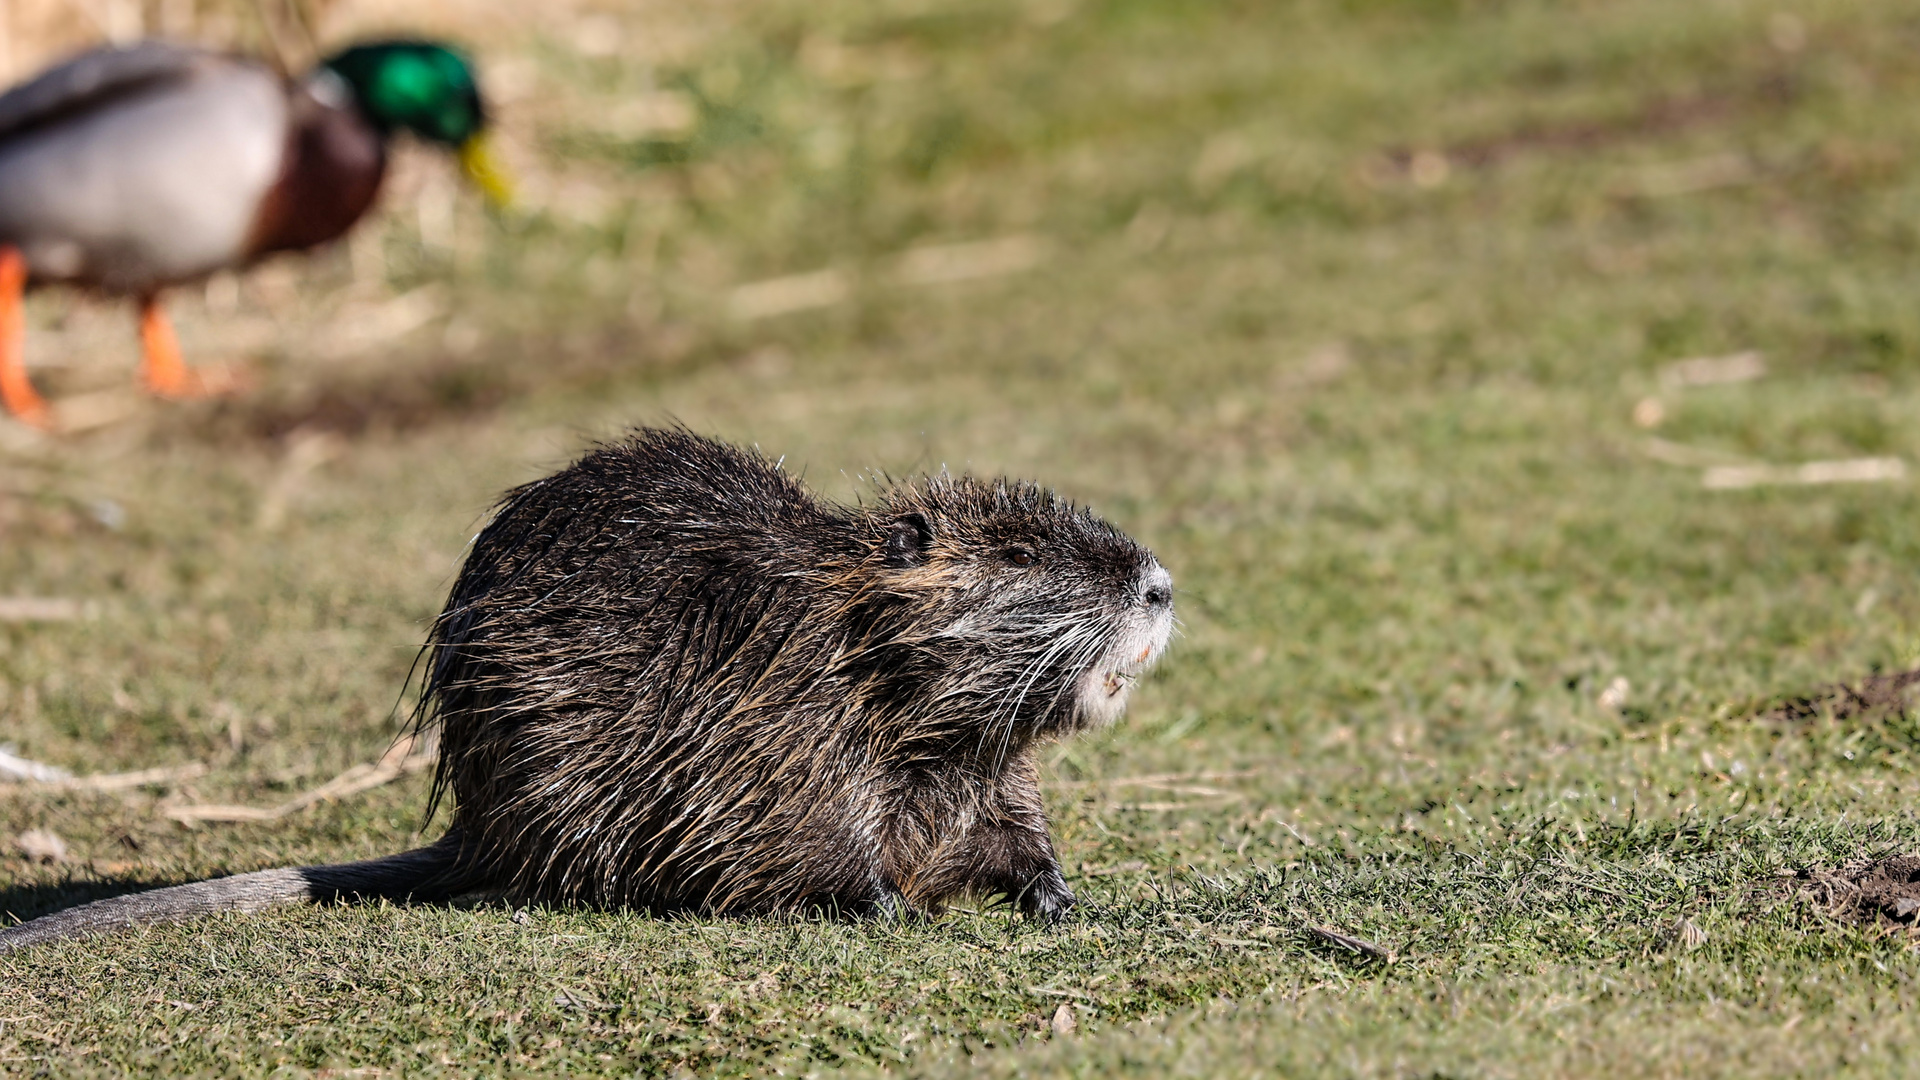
(1156,587)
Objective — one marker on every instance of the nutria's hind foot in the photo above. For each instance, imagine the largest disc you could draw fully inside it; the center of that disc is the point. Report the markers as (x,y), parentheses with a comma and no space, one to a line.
(886,905)
(891,908)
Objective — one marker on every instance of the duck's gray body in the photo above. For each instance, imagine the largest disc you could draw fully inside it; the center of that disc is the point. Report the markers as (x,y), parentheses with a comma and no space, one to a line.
(130,169)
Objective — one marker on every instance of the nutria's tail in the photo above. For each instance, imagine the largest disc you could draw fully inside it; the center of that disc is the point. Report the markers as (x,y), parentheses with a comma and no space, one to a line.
(427,873)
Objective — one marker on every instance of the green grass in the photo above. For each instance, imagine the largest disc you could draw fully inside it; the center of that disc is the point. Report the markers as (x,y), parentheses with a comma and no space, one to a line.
(1374,416)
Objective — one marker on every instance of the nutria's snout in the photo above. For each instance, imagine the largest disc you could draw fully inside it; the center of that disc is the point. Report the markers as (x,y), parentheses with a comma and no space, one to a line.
(1140,637)
(1156,588)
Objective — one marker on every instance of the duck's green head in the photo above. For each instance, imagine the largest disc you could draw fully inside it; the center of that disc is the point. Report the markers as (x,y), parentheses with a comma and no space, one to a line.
(421,86)
(428,89)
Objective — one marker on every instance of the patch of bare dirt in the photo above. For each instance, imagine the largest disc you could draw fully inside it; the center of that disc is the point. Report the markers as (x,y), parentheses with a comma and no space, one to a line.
(1873,698)
(1877,891)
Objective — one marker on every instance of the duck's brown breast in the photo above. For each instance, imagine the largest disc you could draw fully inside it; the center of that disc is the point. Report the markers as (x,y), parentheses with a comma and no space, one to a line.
(332,170)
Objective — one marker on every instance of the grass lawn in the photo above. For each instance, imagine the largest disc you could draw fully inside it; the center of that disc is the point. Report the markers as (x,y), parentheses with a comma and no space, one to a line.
(1366,315)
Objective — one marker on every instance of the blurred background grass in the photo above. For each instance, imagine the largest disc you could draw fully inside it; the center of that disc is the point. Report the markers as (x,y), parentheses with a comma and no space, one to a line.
(1363,314)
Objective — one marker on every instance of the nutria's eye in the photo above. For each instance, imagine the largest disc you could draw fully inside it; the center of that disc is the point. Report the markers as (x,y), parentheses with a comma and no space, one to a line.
(1020,556)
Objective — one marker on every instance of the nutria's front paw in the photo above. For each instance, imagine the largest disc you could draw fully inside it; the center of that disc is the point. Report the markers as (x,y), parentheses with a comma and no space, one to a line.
(1047,900)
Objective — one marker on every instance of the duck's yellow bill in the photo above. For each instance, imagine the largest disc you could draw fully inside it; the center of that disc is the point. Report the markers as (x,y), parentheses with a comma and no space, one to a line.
(483,168)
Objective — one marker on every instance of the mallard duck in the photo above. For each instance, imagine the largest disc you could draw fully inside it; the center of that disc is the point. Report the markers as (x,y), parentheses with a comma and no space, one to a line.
(126,170)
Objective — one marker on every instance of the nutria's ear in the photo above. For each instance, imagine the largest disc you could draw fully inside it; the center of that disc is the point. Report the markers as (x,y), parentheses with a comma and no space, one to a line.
(908,540)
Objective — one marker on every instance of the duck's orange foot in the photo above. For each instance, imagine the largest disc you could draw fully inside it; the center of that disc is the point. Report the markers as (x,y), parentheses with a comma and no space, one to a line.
(28,408)
(16,390)
(164,373)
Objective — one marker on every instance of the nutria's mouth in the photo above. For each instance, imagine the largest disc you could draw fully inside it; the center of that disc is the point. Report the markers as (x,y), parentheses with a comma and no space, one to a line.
(1104,691)
(1102,687)
(1117,679)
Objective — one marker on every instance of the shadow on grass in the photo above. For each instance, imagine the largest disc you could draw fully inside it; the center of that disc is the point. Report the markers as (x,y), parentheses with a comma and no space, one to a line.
(411,393)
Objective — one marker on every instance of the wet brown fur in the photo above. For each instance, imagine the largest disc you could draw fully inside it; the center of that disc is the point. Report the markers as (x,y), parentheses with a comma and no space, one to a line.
(670,678)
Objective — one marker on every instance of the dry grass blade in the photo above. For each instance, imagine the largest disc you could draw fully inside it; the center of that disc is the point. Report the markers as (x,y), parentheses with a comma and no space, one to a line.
(24,776)
(1352,944)
(165,774)
(1737,367)
(1160,780)
(1194,789)
(1166,805)
(399,761)
(1692,177)
(14,768)
(1131,866)
(39,609)
(786,295)
(1848,471)
(221,812)
(940,264)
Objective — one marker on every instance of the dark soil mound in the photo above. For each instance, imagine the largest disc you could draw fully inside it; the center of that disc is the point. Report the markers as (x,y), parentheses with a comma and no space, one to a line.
(1875,697)
(1884,891)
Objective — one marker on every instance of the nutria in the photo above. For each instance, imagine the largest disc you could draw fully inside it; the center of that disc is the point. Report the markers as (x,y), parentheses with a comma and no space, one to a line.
(669,677)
